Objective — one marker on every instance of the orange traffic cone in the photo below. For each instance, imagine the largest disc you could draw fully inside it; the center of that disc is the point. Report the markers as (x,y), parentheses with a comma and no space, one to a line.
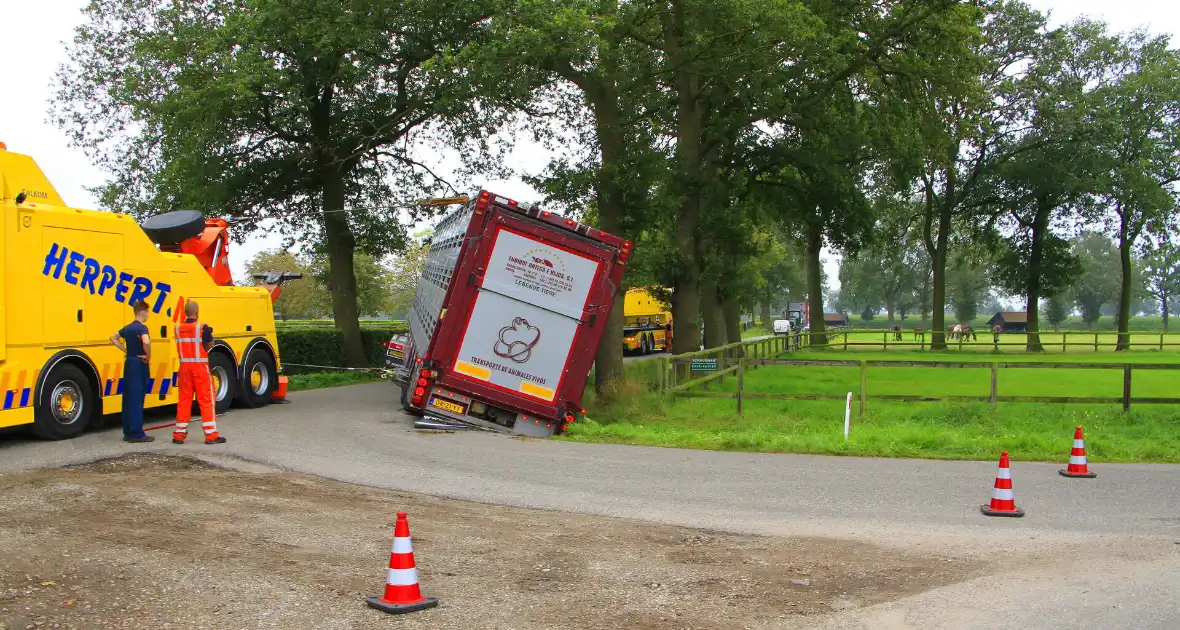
(1003,503)
(1077,458)
(401,582)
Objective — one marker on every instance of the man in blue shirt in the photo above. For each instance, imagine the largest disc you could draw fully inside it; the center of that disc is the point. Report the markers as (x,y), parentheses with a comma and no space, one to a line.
(135,341)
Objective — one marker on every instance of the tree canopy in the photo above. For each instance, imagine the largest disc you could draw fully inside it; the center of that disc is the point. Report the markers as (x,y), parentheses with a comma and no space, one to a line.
(952,152)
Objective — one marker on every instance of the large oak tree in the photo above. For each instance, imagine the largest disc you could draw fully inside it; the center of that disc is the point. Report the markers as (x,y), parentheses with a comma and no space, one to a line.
(302,112)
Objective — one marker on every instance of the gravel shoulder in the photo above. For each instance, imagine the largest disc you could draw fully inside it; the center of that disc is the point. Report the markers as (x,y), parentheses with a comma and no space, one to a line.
(150,541)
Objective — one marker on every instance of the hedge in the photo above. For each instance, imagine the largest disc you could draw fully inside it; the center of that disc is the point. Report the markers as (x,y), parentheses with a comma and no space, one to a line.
(324,346)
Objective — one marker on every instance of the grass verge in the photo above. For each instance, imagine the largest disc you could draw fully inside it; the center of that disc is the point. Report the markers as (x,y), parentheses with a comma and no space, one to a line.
(320,380)
(1029,432)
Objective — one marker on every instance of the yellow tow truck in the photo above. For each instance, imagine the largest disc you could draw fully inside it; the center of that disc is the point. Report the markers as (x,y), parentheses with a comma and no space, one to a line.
(647,324)
(68,281)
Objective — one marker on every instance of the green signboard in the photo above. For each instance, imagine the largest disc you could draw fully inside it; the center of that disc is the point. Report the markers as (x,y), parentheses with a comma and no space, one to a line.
(704,365)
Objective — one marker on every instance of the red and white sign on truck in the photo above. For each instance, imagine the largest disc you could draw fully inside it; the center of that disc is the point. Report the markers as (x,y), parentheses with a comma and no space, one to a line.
(508,315)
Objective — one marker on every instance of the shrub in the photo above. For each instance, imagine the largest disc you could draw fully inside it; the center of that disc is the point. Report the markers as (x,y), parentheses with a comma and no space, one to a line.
(324,346)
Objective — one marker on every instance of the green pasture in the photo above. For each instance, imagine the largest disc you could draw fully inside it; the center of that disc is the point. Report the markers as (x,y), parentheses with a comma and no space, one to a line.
(1028,431)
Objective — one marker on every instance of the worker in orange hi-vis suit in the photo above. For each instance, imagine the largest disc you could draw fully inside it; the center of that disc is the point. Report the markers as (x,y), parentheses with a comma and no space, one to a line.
(193,340)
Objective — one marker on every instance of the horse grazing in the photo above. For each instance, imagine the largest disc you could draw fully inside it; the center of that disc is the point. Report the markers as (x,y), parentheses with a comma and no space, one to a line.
(919,332)
(960,332)
(897,333)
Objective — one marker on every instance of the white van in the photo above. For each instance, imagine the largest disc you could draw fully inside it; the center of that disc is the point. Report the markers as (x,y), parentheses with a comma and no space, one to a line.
(782,326)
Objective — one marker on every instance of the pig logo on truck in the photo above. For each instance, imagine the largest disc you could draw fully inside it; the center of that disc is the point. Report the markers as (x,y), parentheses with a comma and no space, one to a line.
(517,340)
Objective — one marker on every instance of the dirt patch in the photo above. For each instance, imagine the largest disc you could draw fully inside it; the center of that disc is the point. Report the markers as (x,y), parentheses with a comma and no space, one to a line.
(164,542)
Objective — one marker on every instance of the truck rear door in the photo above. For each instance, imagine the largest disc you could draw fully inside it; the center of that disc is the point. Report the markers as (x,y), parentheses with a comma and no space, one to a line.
(530,303)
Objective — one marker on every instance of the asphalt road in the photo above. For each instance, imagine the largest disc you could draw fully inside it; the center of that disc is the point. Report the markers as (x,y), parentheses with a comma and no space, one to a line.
(1121,530)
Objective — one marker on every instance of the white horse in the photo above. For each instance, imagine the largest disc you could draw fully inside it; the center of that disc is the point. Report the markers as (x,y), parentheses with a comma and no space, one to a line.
(958,331)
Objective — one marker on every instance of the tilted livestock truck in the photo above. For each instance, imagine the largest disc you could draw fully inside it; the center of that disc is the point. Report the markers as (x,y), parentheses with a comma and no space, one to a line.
(507,317)
(68,281)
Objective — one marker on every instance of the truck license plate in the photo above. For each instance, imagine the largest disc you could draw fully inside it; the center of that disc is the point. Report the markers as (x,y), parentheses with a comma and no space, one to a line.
(453,407)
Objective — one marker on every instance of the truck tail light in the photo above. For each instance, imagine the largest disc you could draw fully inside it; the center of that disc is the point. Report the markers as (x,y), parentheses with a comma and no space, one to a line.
(418,392)
(424,373)
(421,382)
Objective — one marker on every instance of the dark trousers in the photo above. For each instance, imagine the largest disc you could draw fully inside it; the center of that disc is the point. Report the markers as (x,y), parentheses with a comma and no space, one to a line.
(135,380)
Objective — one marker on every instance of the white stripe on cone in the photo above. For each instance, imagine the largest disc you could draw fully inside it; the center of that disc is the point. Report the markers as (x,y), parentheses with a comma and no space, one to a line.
(1079,444)
(1004,473)
(402,577)
(402,545)
(1003,494)
(1077,459)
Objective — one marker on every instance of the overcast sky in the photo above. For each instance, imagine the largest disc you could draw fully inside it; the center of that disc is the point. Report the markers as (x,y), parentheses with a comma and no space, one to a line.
(33,46)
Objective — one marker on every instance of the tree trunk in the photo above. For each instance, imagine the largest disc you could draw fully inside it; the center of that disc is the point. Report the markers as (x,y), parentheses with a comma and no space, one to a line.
(1124,314)
(689,154)
(341,275)
(889,306)
(767,322)
(608,361)
(815,297)
(1164,310)
(711,314)
(731,315)
(1040,229)
(938,288)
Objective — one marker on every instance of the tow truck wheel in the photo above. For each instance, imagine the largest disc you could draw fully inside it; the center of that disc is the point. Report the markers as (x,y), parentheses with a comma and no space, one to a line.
(66,404)
(259,378)
(222,377)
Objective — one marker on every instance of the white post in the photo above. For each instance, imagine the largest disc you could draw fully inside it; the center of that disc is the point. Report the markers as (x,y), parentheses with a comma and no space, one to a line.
(847,414)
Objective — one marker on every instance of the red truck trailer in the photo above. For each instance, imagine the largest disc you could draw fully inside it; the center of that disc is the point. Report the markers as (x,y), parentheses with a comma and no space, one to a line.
(507,317)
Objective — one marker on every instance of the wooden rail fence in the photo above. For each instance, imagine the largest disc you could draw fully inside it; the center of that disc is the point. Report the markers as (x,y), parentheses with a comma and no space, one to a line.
(1091,340)
(678,378)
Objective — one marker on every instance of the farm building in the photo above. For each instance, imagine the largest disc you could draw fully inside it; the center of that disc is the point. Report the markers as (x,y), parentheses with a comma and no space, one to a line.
(1009,321)
(835,319)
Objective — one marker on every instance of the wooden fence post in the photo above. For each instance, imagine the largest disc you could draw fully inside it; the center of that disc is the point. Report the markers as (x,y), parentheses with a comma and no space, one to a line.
(671,380)
(1095,342)
(864,383)
(845,339)
(741,379)
(1064,336)
(1127,387)
(885,338)
(995,375)
(1161,342)
(663,390)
